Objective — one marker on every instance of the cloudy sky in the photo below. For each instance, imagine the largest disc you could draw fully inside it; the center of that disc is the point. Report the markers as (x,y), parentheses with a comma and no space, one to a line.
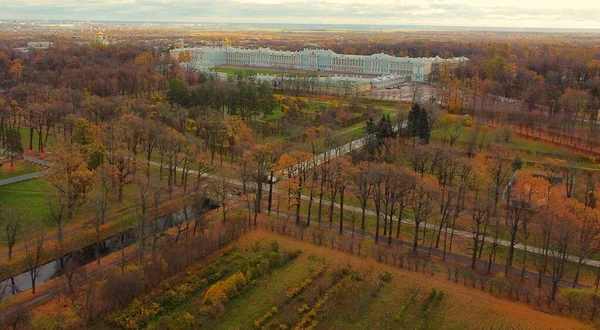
(504,13)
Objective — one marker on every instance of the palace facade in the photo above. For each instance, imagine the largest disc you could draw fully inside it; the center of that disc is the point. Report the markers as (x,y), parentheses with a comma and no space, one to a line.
(414,69)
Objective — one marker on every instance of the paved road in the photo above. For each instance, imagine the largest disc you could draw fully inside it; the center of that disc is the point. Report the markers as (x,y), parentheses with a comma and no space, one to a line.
(30,159)
(339,151)
(29,176)
(23,177)
(36,161)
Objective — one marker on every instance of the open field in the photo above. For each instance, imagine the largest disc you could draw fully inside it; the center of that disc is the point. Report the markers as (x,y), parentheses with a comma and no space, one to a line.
(21,168)
(245,72)
(528,148)
(327,289)
(25,138)
(29,199)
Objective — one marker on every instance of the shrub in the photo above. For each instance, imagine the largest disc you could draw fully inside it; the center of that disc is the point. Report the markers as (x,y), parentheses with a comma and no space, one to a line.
(178,321)
(312,314)
(306,283)
(303,308)
(432,301)
(320,271)
(219,292)
(274,259)
(136,315)
(385,276)
(274,246)
(264,318)
(498,284)
(54,316)
(579,301)
(250,273)
(297,290)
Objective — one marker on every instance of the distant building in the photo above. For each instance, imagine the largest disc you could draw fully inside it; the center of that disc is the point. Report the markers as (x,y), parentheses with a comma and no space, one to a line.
(34,45)
(40,44)
(101,39)
(416,69)
(388,81)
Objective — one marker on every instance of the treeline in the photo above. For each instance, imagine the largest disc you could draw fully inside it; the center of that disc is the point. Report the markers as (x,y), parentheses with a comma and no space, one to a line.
(103,71)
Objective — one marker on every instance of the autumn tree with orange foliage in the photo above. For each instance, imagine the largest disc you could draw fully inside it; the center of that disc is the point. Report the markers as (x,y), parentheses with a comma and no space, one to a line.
(527,194)
(72,181)
(260,157)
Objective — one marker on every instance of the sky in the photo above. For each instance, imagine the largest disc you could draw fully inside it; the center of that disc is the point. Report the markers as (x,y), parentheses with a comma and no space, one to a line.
(481,13)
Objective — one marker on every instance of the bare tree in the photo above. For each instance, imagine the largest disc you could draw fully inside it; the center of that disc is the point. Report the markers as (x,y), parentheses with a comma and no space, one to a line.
(200,222)
(588,237)
(402,183)
(498,167)
(33,257)
(100,201)
(421,202)
(220,188)
(143,204)
(378,174)
(362,181)
(261,158)
(71,268)
(525,194)
(12,227)
(57,212)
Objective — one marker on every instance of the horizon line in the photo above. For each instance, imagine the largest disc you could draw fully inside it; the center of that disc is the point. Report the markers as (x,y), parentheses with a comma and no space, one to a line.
(365,25)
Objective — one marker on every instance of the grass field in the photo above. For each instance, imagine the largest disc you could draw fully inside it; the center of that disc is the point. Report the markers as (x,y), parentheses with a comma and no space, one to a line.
(30,200)
(526,148)
(246,72)
(326,289)
(25,138)
(21,168)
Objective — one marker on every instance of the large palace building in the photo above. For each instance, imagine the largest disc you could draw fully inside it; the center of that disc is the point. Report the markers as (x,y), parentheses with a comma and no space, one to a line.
(415,69)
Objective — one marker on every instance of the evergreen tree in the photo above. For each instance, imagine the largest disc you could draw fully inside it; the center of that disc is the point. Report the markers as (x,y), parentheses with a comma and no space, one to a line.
(266,102)
(13,144)
(413,120)
(385,129)
(423,127)
(178,92)
(371,127)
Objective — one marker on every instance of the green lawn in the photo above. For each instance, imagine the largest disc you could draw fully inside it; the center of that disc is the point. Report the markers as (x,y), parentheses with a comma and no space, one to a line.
(28,199)
(21,168)
(246,72)
(276,115)
(25,139)
(263,295)
(526,148)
